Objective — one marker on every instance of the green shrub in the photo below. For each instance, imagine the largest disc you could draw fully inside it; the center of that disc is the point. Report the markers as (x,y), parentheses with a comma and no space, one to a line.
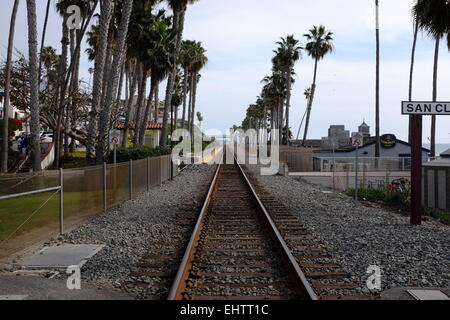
(393,197)
(375,195)
(368,194)
(441,215)
(138,153)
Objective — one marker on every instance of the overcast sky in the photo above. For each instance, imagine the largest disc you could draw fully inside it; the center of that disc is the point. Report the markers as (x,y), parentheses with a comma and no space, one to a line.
(240,37)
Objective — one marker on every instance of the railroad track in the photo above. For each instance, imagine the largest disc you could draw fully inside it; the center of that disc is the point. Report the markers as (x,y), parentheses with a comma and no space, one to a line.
(236,251)
(245,245)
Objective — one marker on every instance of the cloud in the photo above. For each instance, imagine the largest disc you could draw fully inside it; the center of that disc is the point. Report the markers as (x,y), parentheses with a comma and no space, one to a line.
(239,36)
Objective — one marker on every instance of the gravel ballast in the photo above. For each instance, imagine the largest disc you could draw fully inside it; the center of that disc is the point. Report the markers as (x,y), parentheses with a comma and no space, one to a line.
(139,226)
(358,236)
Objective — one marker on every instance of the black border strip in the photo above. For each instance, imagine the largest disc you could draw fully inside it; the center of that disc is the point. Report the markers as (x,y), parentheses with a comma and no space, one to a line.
(425,114)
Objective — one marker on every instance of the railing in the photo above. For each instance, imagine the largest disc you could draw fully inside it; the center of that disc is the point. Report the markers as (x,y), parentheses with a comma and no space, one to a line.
(55,190)
(22,163)
(30,213)
(326,164)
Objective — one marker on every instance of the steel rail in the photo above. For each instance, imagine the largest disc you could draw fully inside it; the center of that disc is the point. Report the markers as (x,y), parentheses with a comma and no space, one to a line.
(304,289)
(180,280)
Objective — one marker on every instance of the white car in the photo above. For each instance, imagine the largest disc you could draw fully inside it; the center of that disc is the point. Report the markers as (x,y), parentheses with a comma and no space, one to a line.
(47,138)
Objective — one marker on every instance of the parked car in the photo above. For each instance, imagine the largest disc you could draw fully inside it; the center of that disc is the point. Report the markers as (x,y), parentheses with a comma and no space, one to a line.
(47,137)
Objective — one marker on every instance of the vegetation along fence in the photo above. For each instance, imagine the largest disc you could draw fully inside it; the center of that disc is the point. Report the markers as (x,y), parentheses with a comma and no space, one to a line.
(33,207)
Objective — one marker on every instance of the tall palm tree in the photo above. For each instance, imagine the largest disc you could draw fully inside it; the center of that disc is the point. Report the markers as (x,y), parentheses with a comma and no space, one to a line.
(5,134)
(34,84)
(61,8)
(199,61)
(139,31)
(320,43)
(44,31)
(185,56)
(179,8)
(177,99)
(104,24)
(105,117)
(377,80)
(411,73)
(288,53)
(65,73)
(129,104)
(433,16)
(274,93)
(159,59)
(307,94)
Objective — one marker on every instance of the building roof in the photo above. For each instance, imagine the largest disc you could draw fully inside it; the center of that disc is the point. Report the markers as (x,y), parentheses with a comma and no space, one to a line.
(367,142)
(364,124)
(446,154)
(150,126)
(308,143)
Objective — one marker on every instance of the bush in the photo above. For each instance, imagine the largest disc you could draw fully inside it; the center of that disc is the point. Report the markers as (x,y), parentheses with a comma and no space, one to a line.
(375,195)
(368,194)
(138,153)
(13,126)
(441,215)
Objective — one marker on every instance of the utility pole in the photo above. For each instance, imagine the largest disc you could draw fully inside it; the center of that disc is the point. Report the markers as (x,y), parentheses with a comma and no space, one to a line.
(377,85)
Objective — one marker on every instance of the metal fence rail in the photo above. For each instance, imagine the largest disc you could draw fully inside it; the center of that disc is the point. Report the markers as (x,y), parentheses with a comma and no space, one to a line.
(327,164)
(84,193)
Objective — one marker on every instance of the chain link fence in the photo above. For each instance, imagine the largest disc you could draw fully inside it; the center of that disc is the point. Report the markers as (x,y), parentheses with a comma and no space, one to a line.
(83,193)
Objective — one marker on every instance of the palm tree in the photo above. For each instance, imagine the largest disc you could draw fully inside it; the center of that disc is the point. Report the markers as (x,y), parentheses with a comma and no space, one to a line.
(105,117)
(199,61)
(185,56)
(65,73)
(307,94)
(177,99)
(433,16)
(5,134)
(61,8)
(411,73)
(377,81)
(159,59)
(320,43)
(34,84)
(179,8)
(139,32)
(288,53)
(44,31)
(274,93)
(105,17)
(129,104)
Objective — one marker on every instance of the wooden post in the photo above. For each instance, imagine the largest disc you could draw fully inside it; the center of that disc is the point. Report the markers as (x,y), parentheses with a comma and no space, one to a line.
(416,171)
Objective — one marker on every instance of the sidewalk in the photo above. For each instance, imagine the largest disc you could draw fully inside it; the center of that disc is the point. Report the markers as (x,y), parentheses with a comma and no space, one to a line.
(36,287)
